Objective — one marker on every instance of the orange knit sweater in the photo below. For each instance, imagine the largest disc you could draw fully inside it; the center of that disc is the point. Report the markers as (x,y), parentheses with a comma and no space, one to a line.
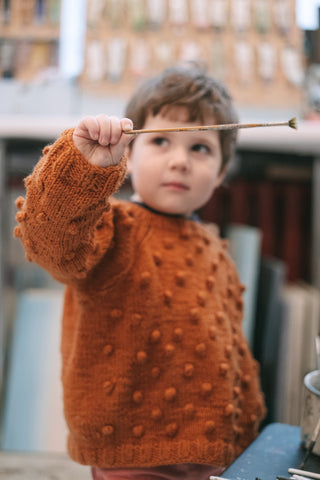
(155,367)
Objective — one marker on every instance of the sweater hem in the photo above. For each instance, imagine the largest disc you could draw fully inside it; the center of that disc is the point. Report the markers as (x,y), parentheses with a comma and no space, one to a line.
(217,453)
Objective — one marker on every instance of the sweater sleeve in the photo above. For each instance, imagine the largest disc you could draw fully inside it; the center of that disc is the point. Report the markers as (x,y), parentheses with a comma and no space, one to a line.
(66,196)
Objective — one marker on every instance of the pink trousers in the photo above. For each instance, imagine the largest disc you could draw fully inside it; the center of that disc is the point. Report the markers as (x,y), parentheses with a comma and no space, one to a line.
(186,471)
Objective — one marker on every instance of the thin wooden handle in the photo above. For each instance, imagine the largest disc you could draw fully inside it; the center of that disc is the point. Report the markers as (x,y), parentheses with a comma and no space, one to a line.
(292,123)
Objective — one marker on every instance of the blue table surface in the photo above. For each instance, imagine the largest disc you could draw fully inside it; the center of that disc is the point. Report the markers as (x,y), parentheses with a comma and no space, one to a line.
(277,448)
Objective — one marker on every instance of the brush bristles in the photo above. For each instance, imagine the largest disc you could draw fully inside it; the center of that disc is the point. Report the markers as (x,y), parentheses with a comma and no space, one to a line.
(293,123)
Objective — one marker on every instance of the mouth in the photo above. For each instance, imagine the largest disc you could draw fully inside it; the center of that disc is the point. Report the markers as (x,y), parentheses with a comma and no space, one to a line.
(176,185)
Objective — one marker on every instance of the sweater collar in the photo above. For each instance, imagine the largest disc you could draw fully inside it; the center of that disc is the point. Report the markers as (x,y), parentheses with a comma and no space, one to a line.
(193,216)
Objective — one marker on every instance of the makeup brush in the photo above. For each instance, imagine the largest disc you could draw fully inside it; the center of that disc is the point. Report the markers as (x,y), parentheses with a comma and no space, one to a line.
(292,123)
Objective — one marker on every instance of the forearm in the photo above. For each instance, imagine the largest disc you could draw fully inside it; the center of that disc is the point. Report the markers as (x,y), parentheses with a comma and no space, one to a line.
(66,196)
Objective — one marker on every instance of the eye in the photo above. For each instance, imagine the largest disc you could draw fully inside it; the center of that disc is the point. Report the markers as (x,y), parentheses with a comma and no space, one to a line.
(160,141)
(201,148)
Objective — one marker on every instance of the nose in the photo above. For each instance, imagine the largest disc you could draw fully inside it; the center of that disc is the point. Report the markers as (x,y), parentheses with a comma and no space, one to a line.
(179,159)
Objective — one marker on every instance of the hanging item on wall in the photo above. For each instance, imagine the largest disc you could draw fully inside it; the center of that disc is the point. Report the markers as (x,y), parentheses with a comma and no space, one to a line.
(199,14)
(218,13)
(283,16)
(240,15)
(116,58)
(190,52)
(96,61)
(95,12)
(244,62)
(262,15)
(140,58)
(114,12)
(218,59)
(291,65)
(178,13)
(266,61)
(164,54)
(156,13)
(137,14)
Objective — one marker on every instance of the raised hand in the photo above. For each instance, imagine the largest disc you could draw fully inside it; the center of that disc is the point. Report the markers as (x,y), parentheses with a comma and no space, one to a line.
(101,139)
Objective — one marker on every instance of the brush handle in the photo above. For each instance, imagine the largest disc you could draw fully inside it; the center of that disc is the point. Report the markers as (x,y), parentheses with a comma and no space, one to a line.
(227,126)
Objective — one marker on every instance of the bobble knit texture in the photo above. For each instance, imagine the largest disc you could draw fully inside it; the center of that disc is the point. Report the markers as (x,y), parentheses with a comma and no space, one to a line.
(155,366)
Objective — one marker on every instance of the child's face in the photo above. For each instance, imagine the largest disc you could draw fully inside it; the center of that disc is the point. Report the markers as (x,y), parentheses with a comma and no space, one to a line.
(175,173)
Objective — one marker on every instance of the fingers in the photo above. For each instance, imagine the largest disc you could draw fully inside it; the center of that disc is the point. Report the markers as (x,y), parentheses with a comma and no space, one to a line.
(104,129)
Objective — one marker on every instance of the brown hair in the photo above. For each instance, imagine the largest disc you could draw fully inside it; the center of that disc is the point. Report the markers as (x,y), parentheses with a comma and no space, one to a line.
(204,98)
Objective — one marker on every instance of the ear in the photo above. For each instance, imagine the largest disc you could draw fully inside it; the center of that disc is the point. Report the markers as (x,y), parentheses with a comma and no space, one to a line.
(221,177)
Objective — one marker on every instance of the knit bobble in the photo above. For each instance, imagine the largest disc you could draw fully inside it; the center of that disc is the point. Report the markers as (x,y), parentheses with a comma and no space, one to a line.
(221,256)
(214,266)
(230,291)
(212,332)
(201,349)
(236,391)
(157,258)
(246,379)
(188,370)
(223,368)
(17,232)
(170,394)
(253,418)
(128,222)
(209,426)
(181,278)
(156,414)
(108,430)
(155,372)
(138,431)
(21,216)
(228,351)
(20,202)
(155,336)
(241,349)
(171,429)
(145,279)
(141,357)
(46,150)
(167,297)
(201,299)
(199,248)
(137,397)
(136,319)
(242,288)
(116,314)
(229,410)
(206,389)
(109,387)
(189,260)
(108,350)
(210,283)
(169,349)
(28,181)
(177,334)
(189,410)
(195,315)
(220,317)
(239,304)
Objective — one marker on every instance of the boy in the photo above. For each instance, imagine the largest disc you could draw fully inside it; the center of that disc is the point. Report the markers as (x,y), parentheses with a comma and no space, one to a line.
(158,379)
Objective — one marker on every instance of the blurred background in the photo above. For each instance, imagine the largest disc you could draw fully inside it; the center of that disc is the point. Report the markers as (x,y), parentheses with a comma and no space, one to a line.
(60,60)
